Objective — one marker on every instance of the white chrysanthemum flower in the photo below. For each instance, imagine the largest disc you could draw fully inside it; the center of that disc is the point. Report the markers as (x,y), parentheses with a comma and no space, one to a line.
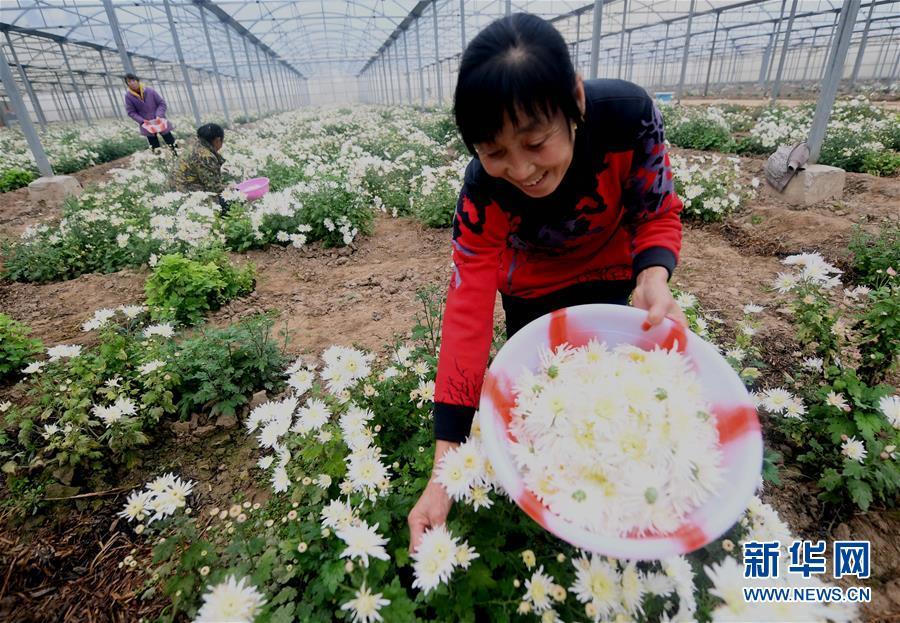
(132,311)
(362,541)
(750,308)
(33,367)
(854,449)
(642,410)
(632,589)
(837,400)
(365,605)
(776,400)
(538,590)
(136,506)
(812,363)
(365,471)
(597,583)
(435,558)
(890,408)
(795,409)
(337,514)
(163,329)
(151,366)
(301,380)
(63,351)
(785,282)
(280,480)
(465,555)
(265,462)
(231,601)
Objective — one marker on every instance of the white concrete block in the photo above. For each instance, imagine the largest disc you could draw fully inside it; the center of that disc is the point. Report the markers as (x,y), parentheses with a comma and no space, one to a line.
(53,190)
(816,184)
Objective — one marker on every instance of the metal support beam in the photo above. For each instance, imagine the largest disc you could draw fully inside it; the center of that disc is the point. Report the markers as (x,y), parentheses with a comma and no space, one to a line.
(862,46)
(508,8)
(462,26)
(34,100)
(419,56)
(687,45)
(437,55)
(662,69)
(117,36)
(828,46)
(409,94)
(212,57)
(75,88)
(784,48)
(252,75)
(116,108)
(184,70)
(237,71)
(712,51)
(595,37)
(262,80)
(12,91)
(622,37)
(833,74)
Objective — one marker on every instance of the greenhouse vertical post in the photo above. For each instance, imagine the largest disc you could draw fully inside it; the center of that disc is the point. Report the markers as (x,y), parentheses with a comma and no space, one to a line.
(419,56)
(684,57)
(406,66)
(896,65)
(576,50)
(12,91)
(276,86)
(28,89)
(508,10)
(252,75)
(390,66)
(595,37)
(622,37)
(262,80)
(862,45)
(462,26)
(117,36)
(215,65)
(723,60)
(237,71)
(117,109)
(662,68)
(834,69)
(437,56)
(827,50)
(279,83)
(810,54)
(180,56)
(784,48)
(712,51)
(84,112)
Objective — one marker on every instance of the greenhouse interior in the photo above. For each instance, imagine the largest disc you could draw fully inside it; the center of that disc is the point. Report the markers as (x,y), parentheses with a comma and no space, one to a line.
(449,311)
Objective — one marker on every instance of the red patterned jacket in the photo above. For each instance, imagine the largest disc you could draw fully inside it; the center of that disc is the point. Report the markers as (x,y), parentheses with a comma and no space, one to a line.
(614,214)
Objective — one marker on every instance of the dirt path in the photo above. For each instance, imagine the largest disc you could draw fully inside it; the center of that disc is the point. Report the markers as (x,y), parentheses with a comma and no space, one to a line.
(17,212)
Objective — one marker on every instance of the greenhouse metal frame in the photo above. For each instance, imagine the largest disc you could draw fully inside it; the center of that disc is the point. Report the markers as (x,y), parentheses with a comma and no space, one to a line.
(62,60)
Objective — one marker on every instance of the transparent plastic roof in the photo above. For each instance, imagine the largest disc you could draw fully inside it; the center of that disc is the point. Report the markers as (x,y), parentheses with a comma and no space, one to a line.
(331,38)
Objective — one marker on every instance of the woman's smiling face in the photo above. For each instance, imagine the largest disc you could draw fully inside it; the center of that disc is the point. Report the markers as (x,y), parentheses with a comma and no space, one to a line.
(534,155)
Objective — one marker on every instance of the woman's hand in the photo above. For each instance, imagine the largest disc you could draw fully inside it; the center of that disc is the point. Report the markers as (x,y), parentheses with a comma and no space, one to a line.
(434,504)
(652,294)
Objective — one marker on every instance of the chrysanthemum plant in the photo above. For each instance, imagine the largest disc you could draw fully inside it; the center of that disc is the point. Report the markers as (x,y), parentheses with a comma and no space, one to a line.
(844,423)
(346,452)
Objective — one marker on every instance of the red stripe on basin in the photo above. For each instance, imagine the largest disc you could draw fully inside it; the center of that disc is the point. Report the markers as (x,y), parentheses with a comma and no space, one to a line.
(734,422)
(691,537)
(559,328)
(529,503)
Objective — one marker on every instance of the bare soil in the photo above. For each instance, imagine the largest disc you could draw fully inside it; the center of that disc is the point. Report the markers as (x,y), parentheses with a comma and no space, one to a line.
(63,568)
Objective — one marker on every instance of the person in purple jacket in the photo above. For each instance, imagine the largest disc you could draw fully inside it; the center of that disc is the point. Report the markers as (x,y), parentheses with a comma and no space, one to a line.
(144,104)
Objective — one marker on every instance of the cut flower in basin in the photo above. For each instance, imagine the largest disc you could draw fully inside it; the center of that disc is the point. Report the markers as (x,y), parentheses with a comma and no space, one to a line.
(617,441)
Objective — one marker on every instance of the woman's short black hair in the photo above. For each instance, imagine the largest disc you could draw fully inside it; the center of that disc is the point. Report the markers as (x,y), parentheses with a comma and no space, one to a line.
(518,64)
(210,132)
(128,77)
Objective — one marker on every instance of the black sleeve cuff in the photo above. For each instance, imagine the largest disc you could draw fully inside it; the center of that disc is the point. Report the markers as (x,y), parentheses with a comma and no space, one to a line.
(654,256)
(452,422)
